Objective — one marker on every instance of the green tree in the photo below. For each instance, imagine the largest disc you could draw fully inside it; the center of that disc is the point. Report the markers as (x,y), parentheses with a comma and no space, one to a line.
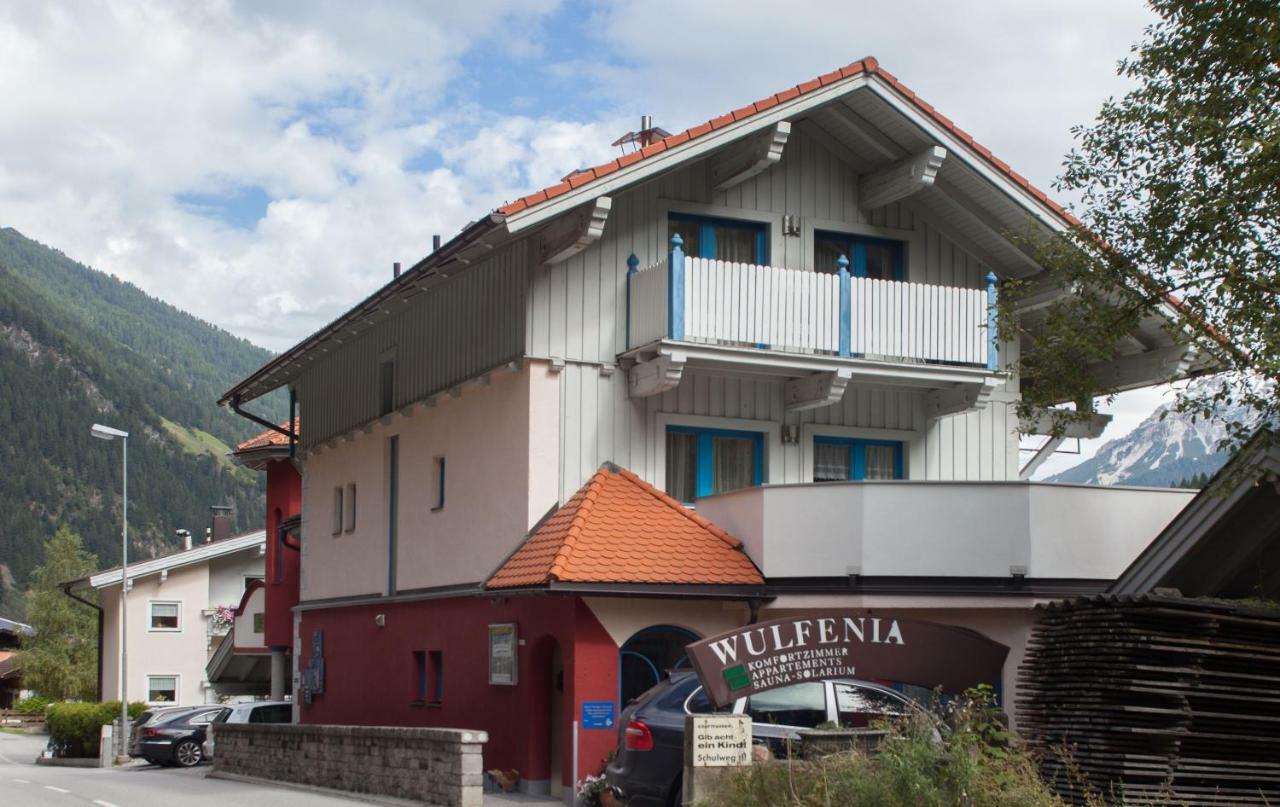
(1180,188)
(61,660)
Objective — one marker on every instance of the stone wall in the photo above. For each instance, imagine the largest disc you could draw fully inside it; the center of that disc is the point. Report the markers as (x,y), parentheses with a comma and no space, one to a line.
(432,766)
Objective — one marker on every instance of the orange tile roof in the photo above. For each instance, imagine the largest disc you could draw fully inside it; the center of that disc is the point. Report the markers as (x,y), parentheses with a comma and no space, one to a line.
(869,66)
(620,529)
(269,438)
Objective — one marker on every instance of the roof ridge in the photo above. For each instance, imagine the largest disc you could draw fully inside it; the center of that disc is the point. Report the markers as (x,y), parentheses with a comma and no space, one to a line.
(868,65)
(563,556)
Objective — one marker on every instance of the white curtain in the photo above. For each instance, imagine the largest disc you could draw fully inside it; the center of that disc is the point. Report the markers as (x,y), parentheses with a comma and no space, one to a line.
(734,463)
(682,466)
(736,244)
(830,462)
(880,462)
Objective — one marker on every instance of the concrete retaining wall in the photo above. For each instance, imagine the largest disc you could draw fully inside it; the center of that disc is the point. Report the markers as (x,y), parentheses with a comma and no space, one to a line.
(432,766)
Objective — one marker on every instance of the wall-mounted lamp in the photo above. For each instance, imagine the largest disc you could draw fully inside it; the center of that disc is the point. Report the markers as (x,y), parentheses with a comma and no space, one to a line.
(790,226)
(791,434)
(380,620)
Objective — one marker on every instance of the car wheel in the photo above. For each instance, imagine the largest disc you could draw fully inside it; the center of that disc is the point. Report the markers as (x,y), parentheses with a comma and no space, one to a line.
(187,753)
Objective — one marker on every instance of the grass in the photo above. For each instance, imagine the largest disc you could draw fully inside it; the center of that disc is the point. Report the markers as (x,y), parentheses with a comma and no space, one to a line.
(198,442)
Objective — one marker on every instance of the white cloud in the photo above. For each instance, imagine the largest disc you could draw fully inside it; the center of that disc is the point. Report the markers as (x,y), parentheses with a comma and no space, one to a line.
(113,110)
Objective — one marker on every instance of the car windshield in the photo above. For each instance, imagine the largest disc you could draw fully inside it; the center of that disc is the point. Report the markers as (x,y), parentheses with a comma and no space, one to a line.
(858,707)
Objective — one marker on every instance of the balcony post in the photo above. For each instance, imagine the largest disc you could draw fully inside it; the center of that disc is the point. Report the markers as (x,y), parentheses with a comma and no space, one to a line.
(675,289)
(632,263)
(993,338)
(846,305)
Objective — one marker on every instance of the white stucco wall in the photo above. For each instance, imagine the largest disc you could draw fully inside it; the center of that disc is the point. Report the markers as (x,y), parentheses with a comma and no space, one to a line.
(500,443)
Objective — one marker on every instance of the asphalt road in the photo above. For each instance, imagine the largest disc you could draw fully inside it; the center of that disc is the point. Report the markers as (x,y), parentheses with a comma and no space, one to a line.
(24,783)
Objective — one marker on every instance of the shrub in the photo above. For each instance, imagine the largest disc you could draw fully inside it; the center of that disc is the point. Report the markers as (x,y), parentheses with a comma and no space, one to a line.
(76,728)
(34,705)
(974,764)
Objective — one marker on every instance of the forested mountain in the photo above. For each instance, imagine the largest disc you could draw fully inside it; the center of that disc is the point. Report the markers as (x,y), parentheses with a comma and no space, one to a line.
(77,347)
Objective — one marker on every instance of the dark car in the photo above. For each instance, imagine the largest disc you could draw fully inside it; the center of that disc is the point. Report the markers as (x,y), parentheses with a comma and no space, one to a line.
(175,737)
(650,759)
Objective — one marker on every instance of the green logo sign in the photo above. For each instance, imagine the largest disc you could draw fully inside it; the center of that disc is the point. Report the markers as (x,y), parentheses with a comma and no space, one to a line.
(737,677)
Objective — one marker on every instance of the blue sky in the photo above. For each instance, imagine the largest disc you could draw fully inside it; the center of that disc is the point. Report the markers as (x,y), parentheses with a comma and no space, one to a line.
(264,163)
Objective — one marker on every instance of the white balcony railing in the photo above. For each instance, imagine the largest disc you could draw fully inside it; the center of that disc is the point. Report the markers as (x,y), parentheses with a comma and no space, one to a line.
(717,302)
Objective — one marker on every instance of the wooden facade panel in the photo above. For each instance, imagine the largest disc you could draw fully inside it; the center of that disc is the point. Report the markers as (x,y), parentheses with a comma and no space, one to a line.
(448,334)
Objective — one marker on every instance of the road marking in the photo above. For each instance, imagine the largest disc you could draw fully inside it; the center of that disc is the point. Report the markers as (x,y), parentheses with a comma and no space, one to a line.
(23,781)
(56,789)
(102,803)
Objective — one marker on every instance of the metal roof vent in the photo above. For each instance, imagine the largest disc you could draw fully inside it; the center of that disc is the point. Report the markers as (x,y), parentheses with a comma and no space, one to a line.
(637,140)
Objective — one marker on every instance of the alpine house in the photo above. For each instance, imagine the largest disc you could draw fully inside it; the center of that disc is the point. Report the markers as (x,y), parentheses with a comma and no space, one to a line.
(743,371)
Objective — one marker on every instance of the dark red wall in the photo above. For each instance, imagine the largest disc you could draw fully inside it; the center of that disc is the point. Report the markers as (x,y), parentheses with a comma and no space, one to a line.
(284,499)
(371,675)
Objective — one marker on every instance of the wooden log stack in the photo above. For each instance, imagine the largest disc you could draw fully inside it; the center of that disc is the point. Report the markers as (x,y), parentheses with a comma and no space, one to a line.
(1157,699)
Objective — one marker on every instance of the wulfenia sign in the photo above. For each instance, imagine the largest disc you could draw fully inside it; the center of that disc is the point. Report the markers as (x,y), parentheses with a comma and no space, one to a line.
(768,655)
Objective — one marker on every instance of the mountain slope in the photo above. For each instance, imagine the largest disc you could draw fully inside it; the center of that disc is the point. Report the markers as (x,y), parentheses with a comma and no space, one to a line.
(1166,448)
(77,347)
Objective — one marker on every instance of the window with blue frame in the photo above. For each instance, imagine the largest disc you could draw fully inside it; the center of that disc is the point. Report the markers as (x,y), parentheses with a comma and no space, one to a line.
(720,239)
(880,258)
(841,459)
(701,462)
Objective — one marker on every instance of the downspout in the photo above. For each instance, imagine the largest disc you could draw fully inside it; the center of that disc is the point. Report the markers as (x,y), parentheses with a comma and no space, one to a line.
(66,589)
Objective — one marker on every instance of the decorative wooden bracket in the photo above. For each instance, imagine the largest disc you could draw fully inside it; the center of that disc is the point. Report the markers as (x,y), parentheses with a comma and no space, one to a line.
(901,179)
(575,232)
(749,158)
(1144,369)
(657,375)
(817,390)
(1090,429)
(1043,293)
(960,398)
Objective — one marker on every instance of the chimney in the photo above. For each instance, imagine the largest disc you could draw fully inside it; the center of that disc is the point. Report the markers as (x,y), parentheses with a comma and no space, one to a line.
(646,124)
(435,243)
(221,519)
(395,269)
(185,535)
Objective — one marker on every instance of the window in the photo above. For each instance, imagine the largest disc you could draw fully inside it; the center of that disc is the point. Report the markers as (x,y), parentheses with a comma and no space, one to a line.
(803,705)
(386,386)
(162,689)
(275,713)
(880,258)
(164,615)
(259,623)
(337,510)
(439,486)
(205,718)
(859,707)
(839,459)
(429,675)
(701,462)
(723,239)
(349,508)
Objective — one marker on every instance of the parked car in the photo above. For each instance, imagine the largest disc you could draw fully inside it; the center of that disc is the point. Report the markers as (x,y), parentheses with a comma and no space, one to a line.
(153,714)
(176,737)
(649,763)
(251,712)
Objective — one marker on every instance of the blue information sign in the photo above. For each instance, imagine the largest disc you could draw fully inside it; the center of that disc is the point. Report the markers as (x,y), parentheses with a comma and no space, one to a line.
(597,715)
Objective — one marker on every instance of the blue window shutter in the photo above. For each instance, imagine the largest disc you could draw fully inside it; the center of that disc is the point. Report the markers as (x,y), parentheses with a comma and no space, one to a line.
(758,476)
(898,268)
(858,456)
(707,240)
(706,479)
(859,259)
(761,258)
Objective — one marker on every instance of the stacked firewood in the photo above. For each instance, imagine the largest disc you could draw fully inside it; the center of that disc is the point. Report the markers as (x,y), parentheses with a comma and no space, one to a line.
(1156,699)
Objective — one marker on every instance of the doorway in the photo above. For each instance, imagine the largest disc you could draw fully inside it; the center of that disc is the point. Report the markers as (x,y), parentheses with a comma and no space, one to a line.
(646,657)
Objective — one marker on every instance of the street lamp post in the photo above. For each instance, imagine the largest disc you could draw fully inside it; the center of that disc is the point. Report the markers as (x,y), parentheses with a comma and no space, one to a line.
(108,433)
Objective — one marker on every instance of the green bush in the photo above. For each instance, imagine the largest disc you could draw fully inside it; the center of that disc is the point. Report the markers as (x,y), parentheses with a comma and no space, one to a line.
(34,705)
(77,727)
(974,764)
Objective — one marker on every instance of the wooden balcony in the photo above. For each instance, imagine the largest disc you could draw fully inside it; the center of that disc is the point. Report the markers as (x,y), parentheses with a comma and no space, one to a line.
(803,323)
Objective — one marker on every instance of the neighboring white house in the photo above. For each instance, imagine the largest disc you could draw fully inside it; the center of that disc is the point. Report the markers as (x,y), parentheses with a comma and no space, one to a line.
(172,630)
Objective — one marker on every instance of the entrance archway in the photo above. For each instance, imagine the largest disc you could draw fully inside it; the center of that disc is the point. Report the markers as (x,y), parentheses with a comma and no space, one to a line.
(644,658)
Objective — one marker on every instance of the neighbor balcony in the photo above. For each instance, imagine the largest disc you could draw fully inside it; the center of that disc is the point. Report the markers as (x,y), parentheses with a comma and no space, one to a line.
(823,330)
